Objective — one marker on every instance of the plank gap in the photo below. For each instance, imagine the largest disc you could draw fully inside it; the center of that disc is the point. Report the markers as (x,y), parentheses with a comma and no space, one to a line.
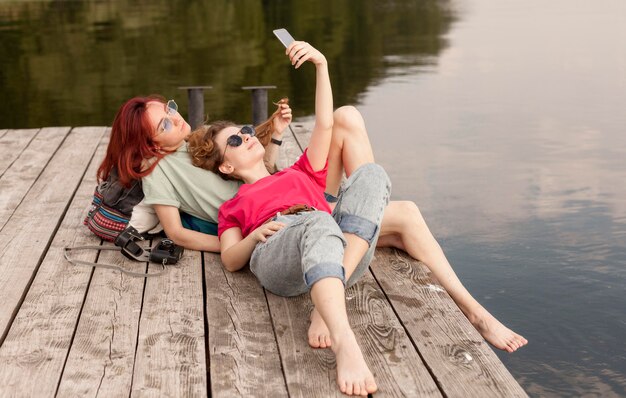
(67,355)
(50,239)
(21,151)
(207,357)
(406,331)
(143,296)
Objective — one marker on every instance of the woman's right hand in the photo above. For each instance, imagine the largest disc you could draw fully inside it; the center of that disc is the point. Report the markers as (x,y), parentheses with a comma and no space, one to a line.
(262,233)
(301,51)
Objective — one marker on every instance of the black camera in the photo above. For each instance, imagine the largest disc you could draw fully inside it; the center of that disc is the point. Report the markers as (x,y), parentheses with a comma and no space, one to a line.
(165,252)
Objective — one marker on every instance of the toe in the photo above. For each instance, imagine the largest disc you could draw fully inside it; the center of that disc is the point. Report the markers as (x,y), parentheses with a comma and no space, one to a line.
(363,388)
(370,386)
(342,386)
(356,390)
(349,389)
(327,339)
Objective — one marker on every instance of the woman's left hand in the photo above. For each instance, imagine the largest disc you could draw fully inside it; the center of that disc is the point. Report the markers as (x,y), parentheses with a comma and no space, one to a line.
(301,51)
(283,119)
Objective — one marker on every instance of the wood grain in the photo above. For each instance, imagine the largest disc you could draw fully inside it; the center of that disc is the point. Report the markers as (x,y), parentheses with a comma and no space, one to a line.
(12,143)
(243,354)
(22,173)
(397,367)
(26,236)
(460,359)
(39,340)
(101,360)
(170,359)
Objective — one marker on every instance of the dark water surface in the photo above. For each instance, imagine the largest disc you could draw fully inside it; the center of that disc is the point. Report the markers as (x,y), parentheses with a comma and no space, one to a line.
(504,121)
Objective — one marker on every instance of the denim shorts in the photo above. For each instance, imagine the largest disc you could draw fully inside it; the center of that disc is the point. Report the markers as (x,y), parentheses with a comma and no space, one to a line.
(310,247)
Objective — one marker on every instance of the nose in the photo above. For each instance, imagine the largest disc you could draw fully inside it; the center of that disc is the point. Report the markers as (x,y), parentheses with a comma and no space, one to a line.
(178,119)
(246,137)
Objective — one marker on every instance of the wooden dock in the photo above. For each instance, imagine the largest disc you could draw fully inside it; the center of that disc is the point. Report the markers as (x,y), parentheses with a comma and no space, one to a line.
(197,330)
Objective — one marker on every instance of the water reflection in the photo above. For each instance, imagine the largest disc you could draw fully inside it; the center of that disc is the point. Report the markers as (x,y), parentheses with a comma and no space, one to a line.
(73,63)
(513,145)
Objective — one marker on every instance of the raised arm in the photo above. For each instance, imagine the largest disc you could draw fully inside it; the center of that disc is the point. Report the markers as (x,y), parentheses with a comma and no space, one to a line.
(319,145)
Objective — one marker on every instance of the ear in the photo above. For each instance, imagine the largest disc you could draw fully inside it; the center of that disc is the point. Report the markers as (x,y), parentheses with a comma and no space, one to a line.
(226,168)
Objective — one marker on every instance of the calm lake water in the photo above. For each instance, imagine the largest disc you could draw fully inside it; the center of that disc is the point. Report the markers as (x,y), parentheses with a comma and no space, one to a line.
(504,121)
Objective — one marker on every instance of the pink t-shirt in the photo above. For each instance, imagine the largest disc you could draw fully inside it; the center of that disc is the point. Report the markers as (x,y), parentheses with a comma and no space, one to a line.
(256,203)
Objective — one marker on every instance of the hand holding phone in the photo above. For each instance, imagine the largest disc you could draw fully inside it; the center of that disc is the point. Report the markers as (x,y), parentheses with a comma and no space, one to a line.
(284,37)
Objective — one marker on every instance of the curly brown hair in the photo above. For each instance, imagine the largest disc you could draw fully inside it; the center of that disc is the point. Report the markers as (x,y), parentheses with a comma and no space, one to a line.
(203,149)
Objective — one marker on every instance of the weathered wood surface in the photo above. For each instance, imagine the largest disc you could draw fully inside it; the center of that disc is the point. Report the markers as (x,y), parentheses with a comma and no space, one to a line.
(12,143)
(243,353)
(25,237)
(22,173)
(456,353)
(102,356)
(80,332)
(170,359)
(40,337)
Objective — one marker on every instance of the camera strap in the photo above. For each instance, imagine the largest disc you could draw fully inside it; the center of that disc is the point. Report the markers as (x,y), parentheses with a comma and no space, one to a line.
(143,257)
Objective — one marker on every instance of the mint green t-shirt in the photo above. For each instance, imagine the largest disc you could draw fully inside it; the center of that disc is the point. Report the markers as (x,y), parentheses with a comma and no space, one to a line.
(175,181)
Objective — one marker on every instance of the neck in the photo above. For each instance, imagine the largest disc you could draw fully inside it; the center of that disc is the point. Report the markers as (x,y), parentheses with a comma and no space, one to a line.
(254,174)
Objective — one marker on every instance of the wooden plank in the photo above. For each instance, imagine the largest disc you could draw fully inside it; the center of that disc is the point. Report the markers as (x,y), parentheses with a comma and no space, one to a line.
(34,351)
(243,354)
(12,144)
(102,356)
(170,359)
(460,359)
(393,360)
(20,176)
(25,237)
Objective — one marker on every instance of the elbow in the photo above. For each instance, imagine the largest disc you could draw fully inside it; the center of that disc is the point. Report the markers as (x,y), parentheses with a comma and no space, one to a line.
(326,125)
(176,237)
(228,264)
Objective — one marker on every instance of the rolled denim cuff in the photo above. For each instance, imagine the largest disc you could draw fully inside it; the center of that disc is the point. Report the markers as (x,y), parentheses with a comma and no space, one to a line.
(330,198)
(324,270)
(359,226)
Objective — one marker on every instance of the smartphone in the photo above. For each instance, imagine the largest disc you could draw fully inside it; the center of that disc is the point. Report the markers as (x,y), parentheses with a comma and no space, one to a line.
(284,37)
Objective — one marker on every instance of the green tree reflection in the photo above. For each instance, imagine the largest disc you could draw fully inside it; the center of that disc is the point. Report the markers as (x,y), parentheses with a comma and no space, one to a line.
(74,63)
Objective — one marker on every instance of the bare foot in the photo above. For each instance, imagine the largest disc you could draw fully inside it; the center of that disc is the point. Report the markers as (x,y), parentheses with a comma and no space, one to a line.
(353,375)
(319,335)
(495,332)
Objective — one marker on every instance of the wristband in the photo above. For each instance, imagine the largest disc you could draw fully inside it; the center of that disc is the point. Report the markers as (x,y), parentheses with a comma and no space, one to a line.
(277,142)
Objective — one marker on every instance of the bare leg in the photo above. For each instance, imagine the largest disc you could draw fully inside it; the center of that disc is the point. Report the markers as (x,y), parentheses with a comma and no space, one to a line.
(350,147)
(405,228)
(353,374)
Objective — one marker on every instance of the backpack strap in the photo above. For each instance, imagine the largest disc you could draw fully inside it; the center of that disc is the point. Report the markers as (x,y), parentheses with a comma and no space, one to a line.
(66,251)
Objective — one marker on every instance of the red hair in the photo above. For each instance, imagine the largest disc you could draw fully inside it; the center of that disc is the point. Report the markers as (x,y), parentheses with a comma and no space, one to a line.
(131,143)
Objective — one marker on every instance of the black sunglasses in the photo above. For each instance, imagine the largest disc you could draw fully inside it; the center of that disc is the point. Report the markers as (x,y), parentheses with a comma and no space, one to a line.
(235,140)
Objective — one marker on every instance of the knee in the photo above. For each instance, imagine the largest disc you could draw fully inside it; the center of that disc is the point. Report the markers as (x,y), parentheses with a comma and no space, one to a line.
(348,117)
(410,212)
(375,176)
